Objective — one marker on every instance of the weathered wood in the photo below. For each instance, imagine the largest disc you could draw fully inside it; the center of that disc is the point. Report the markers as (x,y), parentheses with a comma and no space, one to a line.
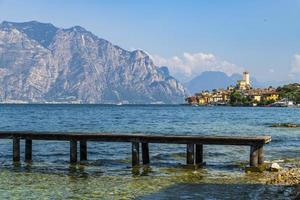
(83,150)
(28,150)
(145,153)
(190,154)
(73,151)
(256,143)
(16,149)
(141,138)
(135,153)
(199,154)
(260,155)
(253,156)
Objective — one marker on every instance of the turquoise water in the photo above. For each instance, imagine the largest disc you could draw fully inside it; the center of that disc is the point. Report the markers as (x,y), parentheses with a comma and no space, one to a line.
(108,173)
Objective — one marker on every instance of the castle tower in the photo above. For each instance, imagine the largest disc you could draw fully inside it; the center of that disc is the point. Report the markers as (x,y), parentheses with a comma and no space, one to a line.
(246,78)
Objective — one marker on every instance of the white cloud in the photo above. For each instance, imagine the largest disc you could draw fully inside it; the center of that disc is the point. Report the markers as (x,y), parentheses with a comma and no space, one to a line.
(189,65)
(295,70)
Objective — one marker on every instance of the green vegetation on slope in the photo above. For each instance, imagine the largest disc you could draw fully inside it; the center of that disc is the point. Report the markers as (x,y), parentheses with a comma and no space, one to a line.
(291,92)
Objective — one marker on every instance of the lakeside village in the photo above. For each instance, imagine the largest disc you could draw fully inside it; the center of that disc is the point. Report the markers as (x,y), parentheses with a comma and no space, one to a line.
(243,94)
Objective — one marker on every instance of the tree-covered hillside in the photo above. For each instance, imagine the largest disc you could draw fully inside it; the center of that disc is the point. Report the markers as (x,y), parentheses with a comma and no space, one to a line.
(291,92)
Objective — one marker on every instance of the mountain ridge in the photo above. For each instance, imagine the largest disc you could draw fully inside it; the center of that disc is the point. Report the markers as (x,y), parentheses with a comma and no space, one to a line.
(42,63)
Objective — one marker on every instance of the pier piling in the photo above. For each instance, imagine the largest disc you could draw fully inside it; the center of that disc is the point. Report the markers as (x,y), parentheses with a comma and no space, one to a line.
(83,150)
(260,155)
(73,151)
(135,153)
(145,153)
(253,156)
(190,154)
(16,149)
(199,154)
(28,150)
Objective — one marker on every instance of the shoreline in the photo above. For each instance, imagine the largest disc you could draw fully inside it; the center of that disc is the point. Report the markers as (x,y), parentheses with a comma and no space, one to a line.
(154,105)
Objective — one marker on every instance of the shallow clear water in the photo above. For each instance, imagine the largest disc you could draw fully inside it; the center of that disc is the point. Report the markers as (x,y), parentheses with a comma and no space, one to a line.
(108,174)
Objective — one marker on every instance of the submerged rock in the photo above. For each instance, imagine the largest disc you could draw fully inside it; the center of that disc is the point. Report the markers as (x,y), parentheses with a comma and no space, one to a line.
(258,169)
(285,125)
(286,177)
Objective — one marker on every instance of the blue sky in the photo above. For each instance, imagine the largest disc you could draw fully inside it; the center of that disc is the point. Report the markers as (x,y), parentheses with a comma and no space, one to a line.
(191,36)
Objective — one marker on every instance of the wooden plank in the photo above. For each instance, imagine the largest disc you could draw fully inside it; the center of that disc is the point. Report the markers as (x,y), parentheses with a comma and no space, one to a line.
(28,150)
(145,153)
(73,151)
(199,154)
(16,149)
(260,155)
(142,138)
(190,154)
(135,153)
(254,156)
(83,150)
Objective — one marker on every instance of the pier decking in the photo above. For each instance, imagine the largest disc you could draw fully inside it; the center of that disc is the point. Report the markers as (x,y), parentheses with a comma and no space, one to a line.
(194,151)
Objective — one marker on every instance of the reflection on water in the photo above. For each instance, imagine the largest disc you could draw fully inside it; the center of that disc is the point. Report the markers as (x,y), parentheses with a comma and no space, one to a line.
(108,173)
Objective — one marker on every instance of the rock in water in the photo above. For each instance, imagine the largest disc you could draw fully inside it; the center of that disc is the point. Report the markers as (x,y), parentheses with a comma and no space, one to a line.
(275,167)
(285,125)
(42,63)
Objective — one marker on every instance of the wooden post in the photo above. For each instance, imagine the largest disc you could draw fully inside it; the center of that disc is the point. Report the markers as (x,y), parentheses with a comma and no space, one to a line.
(16,149)
(145,153)
(135,153)
(73,151)
(253,156)
(83,150)
(190,154)
(260,154)
(199,154)
(28,150)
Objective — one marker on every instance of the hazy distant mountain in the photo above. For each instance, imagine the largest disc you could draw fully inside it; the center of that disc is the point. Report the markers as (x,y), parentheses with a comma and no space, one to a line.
(214,80)
(210,80)
(42,63)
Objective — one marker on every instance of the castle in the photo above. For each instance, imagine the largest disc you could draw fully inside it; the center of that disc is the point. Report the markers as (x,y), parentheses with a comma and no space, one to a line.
(245,83)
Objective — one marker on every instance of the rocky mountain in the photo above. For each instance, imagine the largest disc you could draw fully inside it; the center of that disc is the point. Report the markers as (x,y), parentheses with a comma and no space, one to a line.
(210,80)
(42,63)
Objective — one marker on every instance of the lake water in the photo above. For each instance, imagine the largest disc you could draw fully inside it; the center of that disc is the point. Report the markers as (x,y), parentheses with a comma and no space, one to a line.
(108,173)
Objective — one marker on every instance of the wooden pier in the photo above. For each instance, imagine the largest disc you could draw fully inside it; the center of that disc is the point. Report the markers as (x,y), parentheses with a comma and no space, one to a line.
(194,150)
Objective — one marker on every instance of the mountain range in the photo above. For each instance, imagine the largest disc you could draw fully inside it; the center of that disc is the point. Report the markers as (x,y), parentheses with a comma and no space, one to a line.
(41,63)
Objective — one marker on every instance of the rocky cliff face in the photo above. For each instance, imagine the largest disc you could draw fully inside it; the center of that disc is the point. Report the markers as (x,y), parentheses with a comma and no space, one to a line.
(42,63)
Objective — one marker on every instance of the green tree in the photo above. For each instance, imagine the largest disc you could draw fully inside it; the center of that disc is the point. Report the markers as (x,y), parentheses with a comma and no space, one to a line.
(237,98)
